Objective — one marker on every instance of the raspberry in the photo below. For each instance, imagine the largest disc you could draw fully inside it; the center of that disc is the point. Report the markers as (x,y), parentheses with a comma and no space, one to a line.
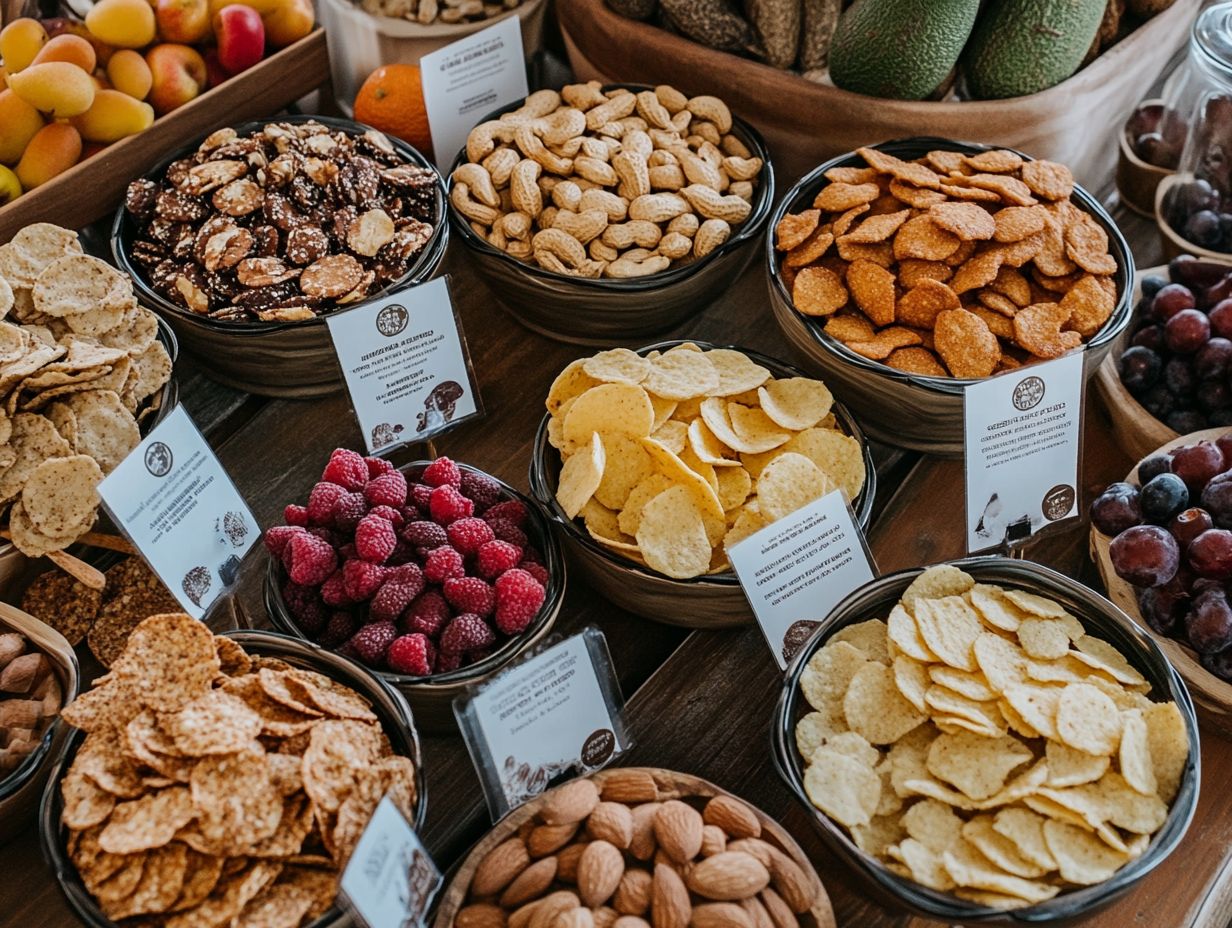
(496,557)
(362,579)
(470,594)
(347,552)
(377,466)
(295,515)
(374,539)
(423,534)
(401,586)
(506,530)
(420,494)
(372,641)
(348,511)
(389,514)
(467,632)
(427,614)
(412,654)
(311,560)
(321,502)
(483,490)
(409,513)
(448,505)
(510,509)
(386,490)
(334,590)
(536,570)
(442,472)
(279,536)
(347,469)
(442,564)
(313,619)
(339,628)
(518,598)
(320,531)
(402,554)
(468,535)
(447,661)
(303,603)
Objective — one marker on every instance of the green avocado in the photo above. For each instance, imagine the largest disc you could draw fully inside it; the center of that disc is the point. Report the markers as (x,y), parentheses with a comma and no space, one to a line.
(1021,47)
(900,49)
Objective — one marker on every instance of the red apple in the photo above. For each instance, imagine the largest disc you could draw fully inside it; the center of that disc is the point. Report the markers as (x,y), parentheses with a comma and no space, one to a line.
(213,67)
(178,74)
(183,21)
(241,37)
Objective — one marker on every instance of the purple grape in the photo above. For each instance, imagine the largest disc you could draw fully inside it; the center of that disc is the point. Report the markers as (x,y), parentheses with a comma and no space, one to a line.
(1212,359)
(1214,394)
(1179,378)
(1202,228)
(1171,300)
(1163,611)
(1187,331)
(1158,401)
(1195,274)
(1185,421)
(1163,497)
(1208,624)
(1145,555)
(1197,464)
(1210,554)
(1116,509)
(1217,500)
(1140,368)
(1152,467)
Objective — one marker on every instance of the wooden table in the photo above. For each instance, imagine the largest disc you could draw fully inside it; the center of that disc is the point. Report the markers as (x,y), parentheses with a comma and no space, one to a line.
(701,702)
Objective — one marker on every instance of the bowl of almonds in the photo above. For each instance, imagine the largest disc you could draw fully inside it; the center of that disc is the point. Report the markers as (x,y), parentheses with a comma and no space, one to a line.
(636,846)
(907,270)
(246,240)
(989,741)
(608,212)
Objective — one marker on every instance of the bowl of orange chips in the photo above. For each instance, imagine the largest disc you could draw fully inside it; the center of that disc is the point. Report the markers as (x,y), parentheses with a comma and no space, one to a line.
(652,462)
(905,271)
(989,741)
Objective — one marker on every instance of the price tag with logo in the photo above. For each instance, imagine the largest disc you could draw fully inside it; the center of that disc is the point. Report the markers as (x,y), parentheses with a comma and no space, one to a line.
(553,716)
(1022,444)
(390,880)
(177,505)
(406,366)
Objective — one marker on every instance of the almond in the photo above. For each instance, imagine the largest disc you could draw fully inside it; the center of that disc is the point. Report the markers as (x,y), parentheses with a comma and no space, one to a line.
(631,921)
(792,883)
(567,862)
(678,829)
(732,875)
(633,893)
(629,786)
(780,913)
(569,803)
(499,867)
(551,906)
(643,844)
(714,841)
(520,918)
(733,816)
(578,917)
(754,847)
(720,915)
(599,871)
(530,884)
(480,915)
(613,822)
(757,912)
(605,916)
(669,903)
(547,839)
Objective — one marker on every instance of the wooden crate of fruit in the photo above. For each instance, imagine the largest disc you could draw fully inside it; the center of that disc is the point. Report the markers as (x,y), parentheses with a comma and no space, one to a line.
(806,122)
(93,187)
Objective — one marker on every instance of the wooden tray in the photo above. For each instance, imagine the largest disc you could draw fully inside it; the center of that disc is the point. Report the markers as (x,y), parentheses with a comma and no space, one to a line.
(670,785)
(93,189)
(1212,697)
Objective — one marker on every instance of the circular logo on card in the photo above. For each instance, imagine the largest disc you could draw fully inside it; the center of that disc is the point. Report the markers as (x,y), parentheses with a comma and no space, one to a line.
(1058,502)
(598,748)
(158,459)
(392,319)
(1028,393)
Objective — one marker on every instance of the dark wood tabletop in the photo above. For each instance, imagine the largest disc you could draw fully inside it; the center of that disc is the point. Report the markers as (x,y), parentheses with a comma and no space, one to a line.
(697,702)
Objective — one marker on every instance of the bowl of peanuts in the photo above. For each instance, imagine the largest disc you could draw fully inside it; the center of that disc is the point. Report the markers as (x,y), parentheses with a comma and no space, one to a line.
(610,212)
(905,271)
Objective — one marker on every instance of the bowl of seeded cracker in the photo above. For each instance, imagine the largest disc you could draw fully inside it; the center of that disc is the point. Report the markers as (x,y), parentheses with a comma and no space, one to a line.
(906,271)
(245,241)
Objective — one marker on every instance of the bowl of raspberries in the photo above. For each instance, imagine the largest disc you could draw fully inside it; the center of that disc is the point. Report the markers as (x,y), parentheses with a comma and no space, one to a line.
(433,575)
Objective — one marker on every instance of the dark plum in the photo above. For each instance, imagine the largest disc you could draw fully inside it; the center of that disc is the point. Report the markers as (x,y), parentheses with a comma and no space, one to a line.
(1197,464)
(1210,554)
(1149,336)
(1220,418)
(1187,331)
(1202,228)
(1212,359)
(1170,300)
(1179,378)
(1214,394)
(1208,623)
(1217,500)
(1225,445)
(1152,284)
(1140,369)
(1145,555)
(1158,401)
(1163,497)
(1164,611)
(1193,273)
(1220,664)
(1152,467)
(1116,509)
(1215,294)
(1184,421)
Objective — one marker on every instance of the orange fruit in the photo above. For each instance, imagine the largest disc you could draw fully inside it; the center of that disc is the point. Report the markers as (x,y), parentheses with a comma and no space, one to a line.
(391,99)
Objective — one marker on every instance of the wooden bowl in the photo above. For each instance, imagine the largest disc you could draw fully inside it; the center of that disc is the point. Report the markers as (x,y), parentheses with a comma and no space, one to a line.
(668,785)
(1137,180)
(1171,240)
(1212,697)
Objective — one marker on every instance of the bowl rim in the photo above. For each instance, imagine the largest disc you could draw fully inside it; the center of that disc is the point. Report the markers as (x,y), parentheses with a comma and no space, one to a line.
(1096,611)
(763,206)
(279,644)
(121,233)
(1168,231)
(554,563)
(905,147)
(862,506)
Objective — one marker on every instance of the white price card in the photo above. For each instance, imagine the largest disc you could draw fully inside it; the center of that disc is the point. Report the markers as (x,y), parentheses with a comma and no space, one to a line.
(1022,443)
(795,570)
(177,505)
(390,880)
(406,366)
(554,714)
(468,79)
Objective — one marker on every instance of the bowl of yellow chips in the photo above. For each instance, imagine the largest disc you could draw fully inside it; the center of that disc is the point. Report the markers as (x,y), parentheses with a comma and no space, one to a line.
(989,741)
(908,270)
(652,462)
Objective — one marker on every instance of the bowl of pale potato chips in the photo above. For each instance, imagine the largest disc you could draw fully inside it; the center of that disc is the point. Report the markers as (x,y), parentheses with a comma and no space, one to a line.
(652,463)
(989,741)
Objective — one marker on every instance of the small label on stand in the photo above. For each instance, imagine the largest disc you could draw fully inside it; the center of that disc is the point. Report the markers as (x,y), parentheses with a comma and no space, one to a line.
(406,366)
(177,505)
(468,79)
(795,570)
(1021,448)
(390,880)
(553,715)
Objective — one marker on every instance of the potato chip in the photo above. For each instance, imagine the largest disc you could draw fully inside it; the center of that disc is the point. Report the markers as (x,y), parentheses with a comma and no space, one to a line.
(1037,705)
(756,430)
(672,535)
(1095,652)
(734,485)
(968,867)
(876,709)
(973,686)
(1081,857)
(610,409)
(625,465)
(619,365)
(32,249)
(716,415)
(1069,766)
(953,712)
(569,384)
(747,523)
(905,634)
(1168,742)
(737,372)
(999,849)
(80,283)
(842,787)
(1045,639)
(868,637)
(911,678)
(60,497)
(681,375)
(672,435)
(789,482)
(949,627)
(925,864)
(580,477)
(1088,720)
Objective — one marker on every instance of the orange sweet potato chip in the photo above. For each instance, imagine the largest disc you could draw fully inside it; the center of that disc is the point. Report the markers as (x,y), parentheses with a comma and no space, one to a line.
(1038,329)
(969,221)
(922,238)
(965,344)
(794,228)
(835,197)
(818,291)
(872,287)
(921,305)
(916,360)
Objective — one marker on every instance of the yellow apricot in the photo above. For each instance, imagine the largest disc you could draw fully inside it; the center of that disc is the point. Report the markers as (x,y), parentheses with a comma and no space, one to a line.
(123,23)
(18,123)
(20,41)
(54,149)
(113,116)
(10,186)
(129,73)
(71,48)
(55,87)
